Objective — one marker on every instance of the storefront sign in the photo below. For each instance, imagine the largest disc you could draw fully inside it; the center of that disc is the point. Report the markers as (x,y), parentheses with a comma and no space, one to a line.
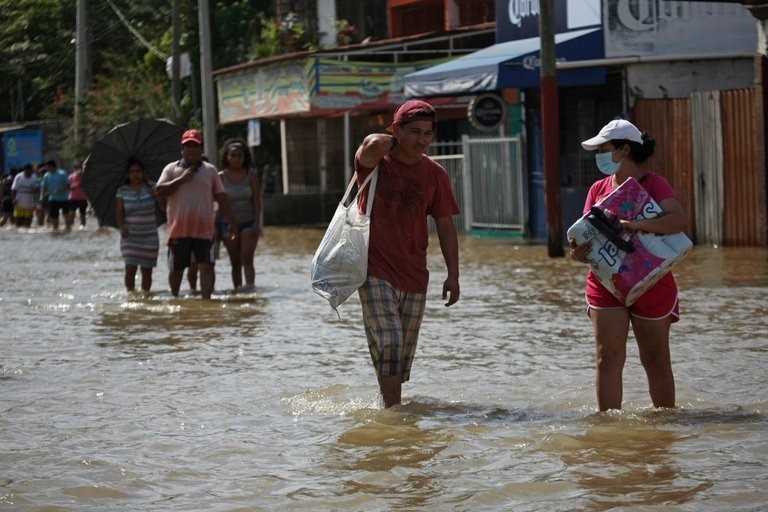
(318,86)
(358,85)
(486,111)
(651,28)
(272,91)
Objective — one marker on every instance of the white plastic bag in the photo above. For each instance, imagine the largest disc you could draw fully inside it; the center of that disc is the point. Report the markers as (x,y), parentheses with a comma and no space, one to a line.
(340,265)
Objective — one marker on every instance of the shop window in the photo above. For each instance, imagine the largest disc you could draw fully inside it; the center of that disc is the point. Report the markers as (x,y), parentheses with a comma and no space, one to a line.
(418,19)
(583,111)
(475,12)
(369,17)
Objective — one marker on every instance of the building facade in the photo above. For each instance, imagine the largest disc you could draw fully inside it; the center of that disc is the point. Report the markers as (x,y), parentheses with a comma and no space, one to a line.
(614,58)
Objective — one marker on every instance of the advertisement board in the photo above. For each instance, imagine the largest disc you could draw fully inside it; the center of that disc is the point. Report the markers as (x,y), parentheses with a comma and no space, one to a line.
(654,28)
(519,19)
(312,86)
(21,147)
(272,91)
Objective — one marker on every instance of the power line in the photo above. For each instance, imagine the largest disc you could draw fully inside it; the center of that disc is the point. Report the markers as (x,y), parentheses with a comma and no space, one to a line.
(136,33)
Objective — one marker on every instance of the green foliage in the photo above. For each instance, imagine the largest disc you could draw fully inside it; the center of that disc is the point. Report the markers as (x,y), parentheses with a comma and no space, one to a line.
(38,51)
(234,29)
(277,37)
(116,97)
(36,54)
(345,32)
(269,43)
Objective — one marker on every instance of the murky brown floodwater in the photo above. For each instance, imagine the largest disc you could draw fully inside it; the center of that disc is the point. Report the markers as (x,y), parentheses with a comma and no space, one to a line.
(267,401)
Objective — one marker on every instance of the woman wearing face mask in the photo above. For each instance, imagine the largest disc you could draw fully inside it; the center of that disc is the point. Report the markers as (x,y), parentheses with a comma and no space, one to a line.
(622,152)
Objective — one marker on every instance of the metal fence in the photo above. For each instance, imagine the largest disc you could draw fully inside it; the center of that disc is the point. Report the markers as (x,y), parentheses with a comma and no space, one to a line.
(454,165)
(709,152)
(488,181)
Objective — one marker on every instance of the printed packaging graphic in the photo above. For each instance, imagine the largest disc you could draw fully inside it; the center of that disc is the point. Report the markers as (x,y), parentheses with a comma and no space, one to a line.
(628,264)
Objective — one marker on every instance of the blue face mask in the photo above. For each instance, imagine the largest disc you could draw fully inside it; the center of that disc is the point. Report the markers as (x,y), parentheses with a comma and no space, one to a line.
(605,163)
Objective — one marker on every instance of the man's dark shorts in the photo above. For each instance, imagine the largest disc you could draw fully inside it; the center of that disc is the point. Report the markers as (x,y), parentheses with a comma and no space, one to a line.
(80,205)
(55,206)
(180,251)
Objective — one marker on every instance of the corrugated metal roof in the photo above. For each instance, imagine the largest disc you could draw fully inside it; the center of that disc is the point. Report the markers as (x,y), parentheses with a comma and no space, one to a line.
(399,45)
(11,127)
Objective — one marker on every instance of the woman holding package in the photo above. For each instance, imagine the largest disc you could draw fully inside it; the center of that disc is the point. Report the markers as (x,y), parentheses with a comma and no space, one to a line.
(622,152)
(241,184)
(136,203)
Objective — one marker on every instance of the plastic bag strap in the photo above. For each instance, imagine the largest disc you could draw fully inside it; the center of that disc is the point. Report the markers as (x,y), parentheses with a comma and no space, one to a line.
(372,179)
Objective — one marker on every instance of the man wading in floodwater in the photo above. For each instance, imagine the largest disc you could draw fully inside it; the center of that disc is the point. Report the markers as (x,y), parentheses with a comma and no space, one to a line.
(410,187)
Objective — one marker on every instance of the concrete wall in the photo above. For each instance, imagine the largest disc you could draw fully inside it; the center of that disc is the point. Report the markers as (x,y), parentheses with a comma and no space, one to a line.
(660,80)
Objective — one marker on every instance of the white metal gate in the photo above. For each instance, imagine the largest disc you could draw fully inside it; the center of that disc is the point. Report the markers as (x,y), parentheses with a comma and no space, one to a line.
(489,183)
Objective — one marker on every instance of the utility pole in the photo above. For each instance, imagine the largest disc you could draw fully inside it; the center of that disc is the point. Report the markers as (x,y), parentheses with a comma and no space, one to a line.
(206,81)
(550,130)
(759,10)
(81,63)
(176,61)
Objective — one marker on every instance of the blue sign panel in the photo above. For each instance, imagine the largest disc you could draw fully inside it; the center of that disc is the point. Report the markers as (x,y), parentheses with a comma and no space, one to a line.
(525,70)
(21,147)
(519,19)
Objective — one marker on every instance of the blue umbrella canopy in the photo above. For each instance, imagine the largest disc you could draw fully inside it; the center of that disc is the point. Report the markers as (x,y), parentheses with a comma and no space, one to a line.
(155,142)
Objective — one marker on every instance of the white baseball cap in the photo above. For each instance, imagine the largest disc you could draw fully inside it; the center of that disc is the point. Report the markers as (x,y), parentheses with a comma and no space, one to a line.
(617,129)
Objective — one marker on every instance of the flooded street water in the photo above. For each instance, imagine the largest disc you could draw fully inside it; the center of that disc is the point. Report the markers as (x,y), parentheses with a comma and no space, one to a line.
(267,400)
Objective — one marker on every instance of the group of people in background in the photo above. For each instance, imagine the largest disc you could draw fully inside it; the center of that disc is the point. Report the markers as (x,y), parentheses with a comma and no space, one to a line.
(45,192)
(204,206)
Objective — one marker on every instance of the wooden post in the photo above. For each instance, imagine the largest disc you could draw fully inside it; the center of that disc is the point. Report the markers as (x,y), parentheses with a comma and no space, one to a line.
(759,9)
(550,130)
(207,91)
(176,61)
(82,45)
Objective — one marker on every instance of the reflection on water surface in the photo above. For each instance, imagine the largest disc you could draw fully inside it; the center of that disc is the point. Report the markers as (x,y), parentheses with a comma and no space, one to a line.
(267,401)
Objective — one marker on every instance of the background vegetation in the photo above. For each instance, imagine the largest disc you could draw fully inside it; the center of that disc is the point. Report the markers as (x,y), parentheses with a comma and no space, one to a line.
(128,78)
